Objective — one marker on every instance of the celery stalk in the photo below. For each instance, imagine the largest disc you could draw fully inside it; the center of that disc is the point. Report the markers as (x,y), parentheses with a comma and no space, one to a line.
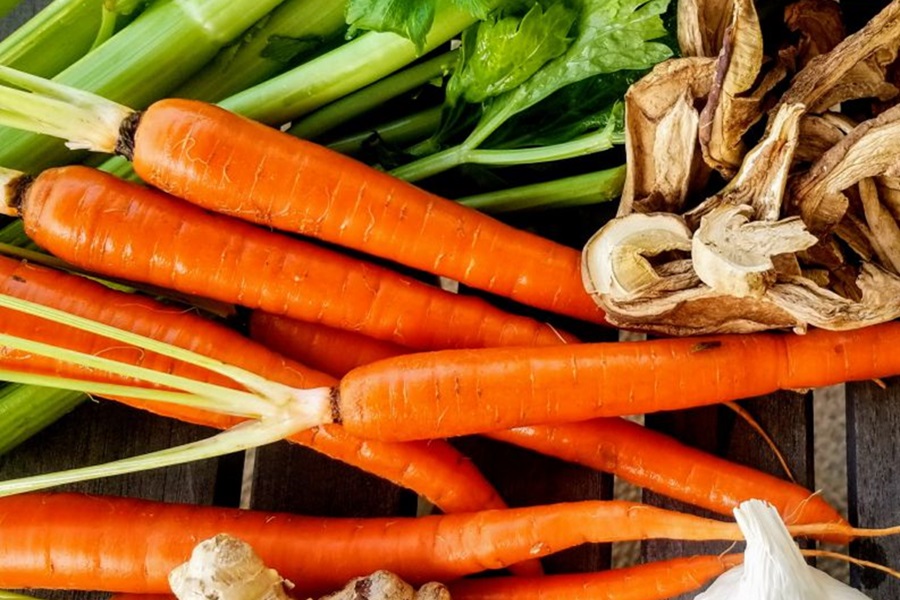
(26,409)
(294,30)
(373,96)
(407,129)
(577,190)
(345,69)
(54,38)
(149,58)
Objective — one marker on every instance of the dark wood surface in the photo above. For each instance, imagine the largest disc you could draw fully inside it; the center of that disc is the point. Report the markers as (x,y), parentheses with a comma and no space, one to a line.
(295,479)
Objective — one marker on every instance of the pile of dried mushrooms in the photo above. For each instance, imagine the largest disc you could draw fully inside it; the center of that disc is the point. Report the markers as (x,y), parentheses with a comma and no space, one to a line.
(763,186)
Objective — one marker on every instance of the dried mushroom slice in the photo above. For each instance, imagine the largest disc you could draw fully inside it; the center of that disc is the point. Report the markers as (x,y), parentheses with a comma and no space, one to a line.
(615,260)
(818,133)
(871,149)
(701,26)
(878,40)
(734,255)
(763,176)
(737,69)
(819,24)
(889,192)
(661,121)
(885,231)
(819,307)
(699,311)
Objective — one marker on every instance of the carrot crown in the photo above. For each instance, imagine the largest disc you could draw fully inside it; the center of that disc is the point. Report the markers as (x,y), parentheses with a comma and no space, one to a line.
(85,120)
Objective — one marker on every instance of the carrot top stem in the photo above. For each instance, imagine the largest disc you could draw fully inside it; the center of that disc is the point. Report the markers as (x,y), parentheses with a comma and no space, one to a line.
(86,120)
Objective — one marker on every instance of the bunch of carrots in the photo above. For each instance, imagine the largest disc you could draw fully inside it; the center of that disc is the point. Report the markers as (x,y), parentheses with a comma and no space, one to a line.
(354,359)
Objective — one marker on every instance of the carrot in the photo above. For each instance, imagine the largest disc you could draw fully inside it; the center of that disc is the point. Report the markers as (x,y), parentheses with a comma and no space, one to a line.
(230,164)
(656,580)
(330,350)
(109,226)
(127,545)
(643,457)
(650,581)
(434,469)
(457,392)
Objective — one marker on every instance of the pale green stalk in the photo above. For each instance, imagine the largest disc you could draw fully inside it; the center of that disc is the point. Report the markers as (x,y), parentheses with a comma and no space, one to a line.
(272,391)
(234,402)
(27,409)
(408,129)
(145,61)
(249,434)
(341,71)
(254,57)
(601,140)
(578,190)
(54,38)
(373,96)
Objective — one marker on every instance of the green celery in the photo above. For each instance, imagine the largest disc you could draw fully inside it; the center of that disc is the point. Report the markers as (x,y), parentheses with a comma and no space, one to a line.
(408,129)
(54,38)
(598,141)
(27,409)
(291,32)
(577,190)
(7,6)
(149,58)
(343,70)
(373,96)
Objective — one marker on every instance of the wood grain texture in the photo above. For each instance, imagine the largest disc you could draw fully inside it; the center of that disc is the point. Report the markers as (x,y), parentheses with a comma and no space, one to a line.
(873,423)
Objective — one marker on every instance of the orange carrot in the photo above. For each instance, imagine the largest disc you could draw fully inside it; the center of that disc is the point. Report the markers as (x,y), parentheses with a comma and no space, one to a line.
(103,224)
(330,350)
(650,581)
(641,456)
(126,545)
(230,164)
(459,392)
(656,580)
(433,469)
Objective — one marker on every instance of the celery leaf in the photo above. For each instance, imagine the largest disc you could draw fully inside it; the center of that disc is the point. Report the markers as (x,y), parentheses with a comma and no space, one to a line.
(502,52)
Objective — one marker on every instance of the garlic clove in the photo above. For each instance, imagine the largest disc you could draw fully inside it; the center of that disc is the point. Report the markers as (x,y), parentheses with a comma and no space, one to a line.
(773,567)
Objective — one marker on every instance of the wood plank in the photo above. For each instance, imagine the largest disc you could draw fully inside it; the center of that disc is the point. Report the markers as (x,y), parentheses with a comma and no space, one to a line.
(288,477)
(786,416)
(873,469)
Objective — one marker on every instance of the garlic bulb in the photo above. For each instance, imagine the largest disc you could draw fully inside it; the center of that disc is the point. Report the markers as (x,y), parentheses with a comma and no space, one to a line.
(774,568)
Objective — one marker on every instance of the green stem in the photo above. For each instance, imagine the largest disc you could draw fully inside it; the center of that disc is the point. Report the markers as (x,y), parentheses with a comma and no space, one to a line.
(373,96)
(400,132)
(345,69)
(249,434)
(54,38)
(208,396)
(578,190)
(455,156)
(266,49)
(145,61)
(27,409)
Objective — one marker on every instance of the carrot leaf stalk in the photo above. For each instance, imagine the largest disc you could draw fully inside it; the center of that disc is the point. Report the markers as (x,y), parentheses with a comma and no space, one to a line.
(277,410)
(85,120)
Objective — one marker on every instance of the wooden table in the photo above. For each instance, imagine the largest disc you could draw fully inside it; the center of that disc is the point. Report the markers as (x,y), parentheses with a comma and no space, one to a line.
(296,479)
